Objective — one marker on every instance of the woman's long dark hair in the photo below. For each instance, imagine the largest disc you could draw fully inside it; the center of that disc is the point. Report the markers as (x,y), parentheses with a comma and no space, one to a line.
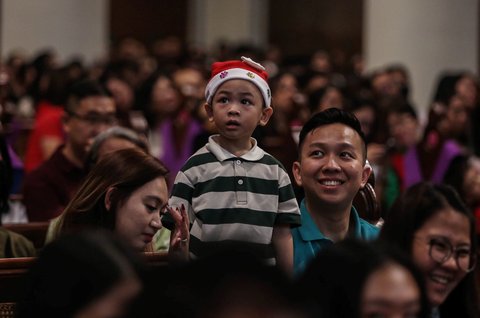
(125,170)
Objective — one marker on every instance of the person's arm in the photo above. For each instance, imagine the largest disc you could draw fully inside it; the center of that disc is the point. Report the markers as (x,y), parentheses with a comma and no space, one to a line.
(283,245)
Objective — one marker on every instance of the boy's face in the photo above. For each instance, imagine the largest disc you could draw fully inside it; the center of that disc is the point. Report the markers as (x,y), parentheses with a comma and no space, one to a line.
(237,109)
(331,168)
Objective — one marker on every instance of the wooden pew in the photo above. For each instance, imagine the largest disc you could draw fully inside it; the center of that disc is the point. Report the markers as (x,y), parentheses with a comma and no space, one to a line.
(13,278)
(13,274)
(13,283)
(34,231)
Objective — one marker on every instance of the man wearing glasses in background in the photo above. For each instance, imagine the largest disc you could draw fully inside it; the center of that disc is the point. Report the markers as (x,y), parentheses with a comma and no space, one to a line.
(47,190)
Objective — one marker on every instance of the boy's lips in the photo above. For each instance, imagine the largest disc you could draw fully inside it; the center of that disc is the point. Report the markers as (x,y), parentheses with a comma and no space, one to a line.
(232,123)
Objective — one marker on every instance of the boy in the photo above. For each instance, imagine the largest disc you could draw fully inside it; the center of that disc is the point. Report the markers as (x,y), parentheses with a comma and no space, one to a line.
(331,169)
(232,190)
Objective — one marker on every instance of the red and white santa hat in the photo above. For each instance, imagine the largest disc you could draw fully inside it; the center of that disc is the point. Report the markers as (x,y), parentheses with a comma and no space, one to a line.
(245,69)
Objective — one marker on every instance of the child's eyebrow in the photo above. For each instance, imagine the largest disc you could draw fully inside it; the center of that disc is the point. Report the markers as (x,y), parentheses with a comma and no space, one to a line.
(226,92)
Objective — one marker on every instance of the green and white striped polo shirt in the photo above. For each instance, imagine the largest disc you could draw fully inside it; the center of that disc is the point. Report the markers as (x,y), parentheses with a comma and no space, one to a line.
(234,199)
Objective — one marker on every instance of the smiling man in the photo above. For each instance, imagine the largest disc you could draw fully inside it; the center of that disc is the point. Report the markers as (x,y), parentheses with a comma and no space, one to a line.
(331,168)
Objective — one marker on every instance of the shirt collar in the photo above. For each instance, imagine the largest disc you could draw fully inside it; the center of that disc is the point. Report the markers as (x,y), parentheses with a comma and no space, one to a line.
(254,154)
(309,230)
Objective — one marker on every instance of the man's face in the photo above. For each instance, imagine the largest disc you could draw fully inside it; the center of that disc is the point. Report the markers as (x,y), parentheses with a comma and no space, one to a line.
(331,168)
(92,116)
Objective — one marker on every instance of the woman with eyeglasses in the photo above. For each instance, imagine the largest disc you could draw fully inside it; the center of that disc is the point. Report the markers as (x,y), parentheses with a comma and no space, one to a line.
(432,224)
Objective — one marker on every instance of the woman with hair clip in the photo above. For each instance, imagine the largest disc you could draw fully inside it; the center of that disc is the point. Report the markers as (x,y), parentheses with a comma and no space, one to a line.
(126,192)
(432,224)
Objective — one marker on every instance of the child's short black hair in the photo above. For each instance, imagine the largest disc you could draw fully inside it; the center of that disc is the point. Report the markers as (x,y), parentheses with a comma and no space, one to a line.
(332,116)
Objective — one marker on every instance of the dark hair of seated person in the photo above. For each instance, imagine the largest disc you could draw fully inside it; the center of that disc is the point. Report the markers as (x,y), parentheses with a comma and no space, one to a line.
(75,271)
(339,273)
(229,282)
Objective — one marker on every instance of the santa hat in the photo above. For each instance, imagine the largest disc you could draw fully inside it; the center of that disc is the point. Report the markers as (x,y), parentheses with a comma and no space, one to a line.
(245,69)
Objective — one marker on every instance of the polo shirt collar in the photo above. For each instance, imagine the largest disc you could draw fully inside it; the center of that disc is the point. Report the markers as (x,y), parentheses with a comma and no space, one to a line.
(254,154)
(309,230)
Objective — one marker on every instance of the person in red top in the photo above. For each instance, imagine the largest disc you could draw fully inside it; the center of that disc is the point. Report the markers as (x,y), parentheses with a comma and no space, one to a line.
(47,133)
(48,189)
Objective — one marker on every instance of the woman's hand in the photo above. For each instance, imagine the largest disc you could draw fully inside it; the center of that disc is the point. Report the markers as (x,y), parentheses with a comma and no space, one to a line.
(180,236)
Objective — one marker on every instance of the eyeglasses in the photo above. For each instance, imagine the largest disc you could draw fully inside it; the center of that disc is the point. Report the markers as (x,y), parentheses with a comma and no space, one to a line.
(96,119)
(441,250)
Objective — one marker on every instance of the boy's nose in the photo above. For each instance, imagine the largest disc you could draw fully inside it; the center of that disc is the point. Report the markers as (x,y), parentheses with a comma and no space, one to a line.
(233,110)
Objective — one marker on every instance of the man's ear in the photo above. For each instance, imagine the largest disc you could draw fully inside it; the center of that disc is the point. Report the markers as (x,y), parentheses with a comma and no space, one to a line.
(108,198)
(367,170)
(266,114)
(296,169)
(209,111)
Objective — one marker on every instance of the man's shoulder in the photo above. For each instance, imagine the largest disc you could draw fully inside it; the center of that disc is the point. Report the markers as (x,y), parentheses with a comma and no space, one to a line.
(49,166)
(56,169)
(368,230)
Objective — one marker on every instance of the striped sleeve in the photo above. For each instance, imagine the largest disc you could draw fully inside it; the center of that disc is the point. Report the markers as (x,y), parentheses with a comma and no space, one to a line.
(288,210)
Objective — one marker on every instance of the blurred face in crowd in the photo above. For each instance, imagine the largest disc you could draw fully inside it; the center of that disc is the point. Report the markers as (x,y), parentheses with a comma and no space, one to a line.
(165,98)
(384,85)
(390,292)
(456,117)
(332,98)
(471,183)
(92,115)
(122,93)
(366,117)
(285,93)
(467,90)
(441,248)
(138,216)
(403,129)
(190,82)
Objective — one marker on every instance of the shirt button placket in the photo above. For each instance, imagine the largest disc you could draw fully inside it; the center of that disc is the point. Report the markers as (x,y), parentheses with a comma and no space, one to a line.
(240,184)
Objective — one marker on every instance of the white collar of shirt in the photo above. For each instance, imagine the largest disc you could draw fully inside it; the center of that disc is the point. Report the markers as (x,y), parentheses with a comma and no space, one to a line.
(254,154)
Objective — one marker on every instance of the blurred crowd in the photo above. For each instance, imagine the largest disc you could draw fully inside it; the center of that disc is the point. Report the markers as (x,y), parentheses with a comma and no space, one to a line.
(159,93)
(59,119)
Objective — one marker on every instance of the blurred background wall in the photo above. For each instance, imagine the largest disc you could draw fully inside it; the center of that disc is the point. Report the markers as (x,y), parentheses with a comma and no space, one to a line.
(426,36)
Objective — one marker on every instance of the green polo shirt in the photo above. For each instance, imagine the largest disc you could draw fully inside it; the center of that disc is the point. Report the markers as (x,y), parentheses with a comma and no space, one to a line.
(308,240)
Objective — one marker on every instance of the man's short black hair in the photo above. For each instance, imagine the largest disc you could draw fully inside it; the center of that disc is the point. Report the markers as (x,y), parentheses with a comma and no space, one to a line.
(332,116)
(83,89)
